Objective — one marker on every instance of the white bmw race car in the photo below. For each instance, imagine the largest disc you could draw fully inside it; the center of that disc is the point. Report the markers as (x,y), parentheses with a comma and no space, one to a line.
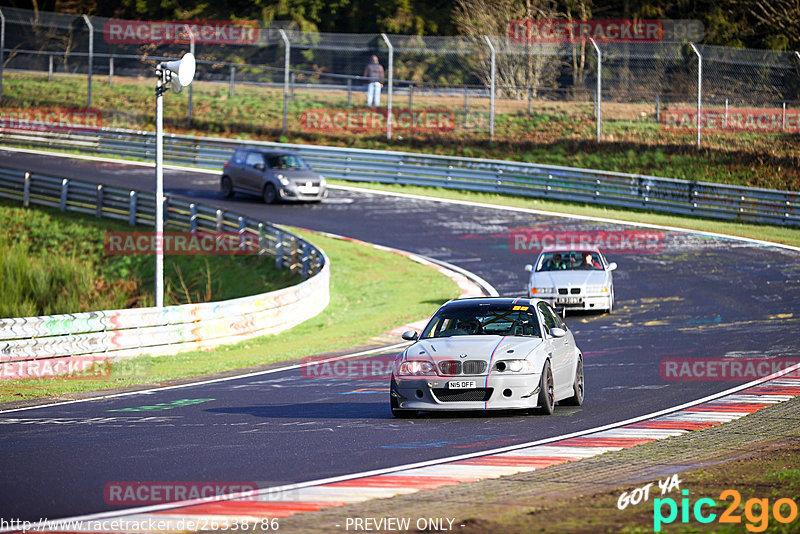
(573,279)
(491,353)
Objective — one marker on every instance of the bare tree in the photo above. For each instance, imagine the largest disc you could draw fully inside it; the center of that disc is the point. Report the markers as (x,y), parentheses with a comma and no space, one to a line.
(519,66)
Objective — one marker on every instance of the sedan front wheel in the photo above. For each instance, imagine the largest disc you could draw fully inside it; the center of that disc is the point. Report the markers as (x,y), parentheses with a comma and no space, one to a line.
(547,398)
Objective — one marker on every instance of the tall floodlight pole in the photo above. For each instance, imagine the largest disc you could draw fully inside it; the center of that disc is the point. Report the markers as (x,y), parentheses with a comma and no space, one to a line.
(183,71)
(699,90)
(389,88)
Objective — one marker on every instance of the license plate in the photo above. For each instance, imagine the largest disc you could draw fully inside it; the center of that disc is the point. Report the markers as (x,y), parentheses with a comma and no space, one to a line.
(569,300)
(462,384)
(308,189)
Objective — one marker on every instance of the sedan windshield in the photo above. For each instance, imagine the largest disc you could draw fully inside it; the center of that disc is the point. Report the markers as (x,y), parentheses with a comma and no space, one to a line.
(569,261)
(483,321)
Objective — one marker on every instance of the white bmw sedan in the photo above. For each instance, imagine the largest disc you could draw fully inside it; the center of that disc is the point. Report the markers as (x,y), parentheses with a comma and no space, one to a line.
(573,279)
(488,354)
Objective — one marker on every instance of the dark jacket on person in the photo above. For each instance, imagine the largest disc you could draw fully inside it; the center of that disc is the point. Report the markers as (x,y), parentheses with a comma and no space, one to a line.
(374,72)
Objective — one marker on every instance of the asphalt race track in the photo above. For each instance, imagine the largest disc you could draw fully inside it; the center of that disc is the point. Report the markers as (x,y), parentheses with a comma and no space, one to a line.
(699,297)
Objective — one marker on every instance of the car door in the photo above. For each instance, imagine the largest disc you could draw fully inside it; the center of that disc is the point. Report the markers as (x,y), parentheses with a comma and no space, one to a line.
(252,171)
(559,348)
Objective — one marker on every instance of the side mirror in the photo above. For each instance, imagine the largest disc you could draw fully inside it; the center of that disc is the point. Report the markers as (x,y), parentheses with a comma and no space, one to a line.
(410,335)
(612,266)
(558,332)
(529,268)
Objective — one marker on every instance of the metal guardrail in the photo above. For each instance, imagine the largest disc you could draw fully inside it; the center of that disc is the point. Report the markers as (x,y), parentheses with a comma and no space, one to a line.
(632,191)
(129,332)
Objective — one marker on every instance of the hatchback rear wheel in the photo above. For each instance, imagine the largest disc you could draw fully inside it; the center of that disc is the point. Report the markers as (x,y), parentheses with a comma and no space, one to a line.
(226,186)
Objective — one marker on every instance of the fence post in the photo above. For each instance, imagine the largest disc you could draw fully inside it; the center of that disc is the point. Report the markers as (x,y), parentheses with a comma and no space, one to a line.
(530,99)
(2,48)
(232,81)
(658,108)
(699,90)
(726,113)
(99,209)
(599,96)
(391,83)
(287,47)
(26,190)
(50,68)
(111,70)
(491,96)
(132,208)
(466,101)
(349,90)
(261,247)
(91,60)
(191,85)
(242,230)
(292,82)
(64,192)
(279,249)
(410,96)
(783,119)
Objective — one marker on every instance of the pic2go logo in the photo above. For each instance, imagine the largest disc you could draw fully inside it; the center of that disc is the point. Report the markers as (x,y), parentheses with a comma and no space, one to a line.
(756,511)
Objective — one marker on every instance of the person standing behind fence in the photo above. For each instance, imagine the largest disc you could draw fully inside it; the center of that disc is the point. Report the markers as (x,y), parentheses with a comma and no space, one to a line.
(373,72)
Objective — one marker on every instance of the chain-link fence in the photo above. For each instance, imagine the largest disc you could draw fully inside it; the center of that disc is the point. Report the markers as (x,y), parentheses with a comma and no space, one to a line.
(277,81)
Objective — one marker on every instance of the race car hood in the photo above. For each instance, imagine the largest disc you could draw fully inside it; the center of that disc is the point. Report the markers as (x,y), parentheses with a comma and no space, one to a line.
(473,348)
(568,278)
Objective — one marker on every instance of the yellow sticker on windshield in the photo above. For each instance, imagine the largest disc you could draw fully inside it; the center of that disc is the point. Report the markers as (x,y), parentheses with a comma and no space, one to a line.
(520,308)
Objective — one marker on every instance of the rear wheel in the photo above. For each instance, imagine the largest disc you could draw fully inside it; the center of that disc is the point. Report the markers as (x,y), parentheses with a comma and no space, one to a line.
(577,387)
(226,186)
(547,399)
(270,194)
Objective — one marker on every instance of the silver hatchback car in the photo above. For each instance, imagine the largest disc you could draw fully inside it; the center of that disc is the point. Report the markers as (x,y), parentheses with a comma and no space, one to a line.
(273,174)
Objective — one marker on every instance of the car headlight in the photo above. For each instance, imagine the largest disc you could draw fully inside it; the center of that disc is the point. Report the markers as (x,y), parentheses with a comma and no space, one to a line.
(416,368)
(514,366)
(597,289)
(322,180)
(283,180)
(543,290)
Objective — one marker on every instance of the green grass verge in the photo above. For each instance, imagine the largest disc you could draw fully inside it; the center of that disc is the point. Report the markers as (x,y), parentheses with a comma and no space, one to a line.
(54,262)
(372,291)
(558,133)
(777,234)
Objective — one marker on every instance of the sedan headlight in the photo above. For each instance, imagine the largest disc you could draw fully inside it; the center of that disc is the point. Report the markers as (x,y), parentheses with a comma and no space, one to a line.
(283,180)
(416,368)
(543,291)
(597,289)
(514,366)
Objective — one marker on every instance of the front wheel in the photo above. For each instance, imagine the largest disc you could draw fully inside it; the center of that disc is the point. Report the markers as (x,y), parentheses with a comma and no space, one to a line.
(577,387)
(547,398)
(270,194)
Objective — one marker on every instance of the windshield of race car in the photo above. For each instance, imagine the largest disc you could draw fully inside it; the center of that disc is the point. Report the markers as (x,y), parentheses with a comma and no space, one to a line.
(483,321)
(569,261)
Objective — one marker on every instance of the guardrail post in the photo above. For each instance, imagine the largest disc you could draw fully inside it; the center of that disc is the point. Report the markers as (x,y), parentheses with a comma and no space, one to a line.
(261,246)
(279,249)
(26,190)
(111,70)
(64,191)
(410,96)
(390,83)
(492,82)
(306,260)
(132,208)
(219,221)
(2,48)
(232,81)
(599,97)
(287,46)
(91,60)
(193,217)
(699,90)
(242,229)
(99,209)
